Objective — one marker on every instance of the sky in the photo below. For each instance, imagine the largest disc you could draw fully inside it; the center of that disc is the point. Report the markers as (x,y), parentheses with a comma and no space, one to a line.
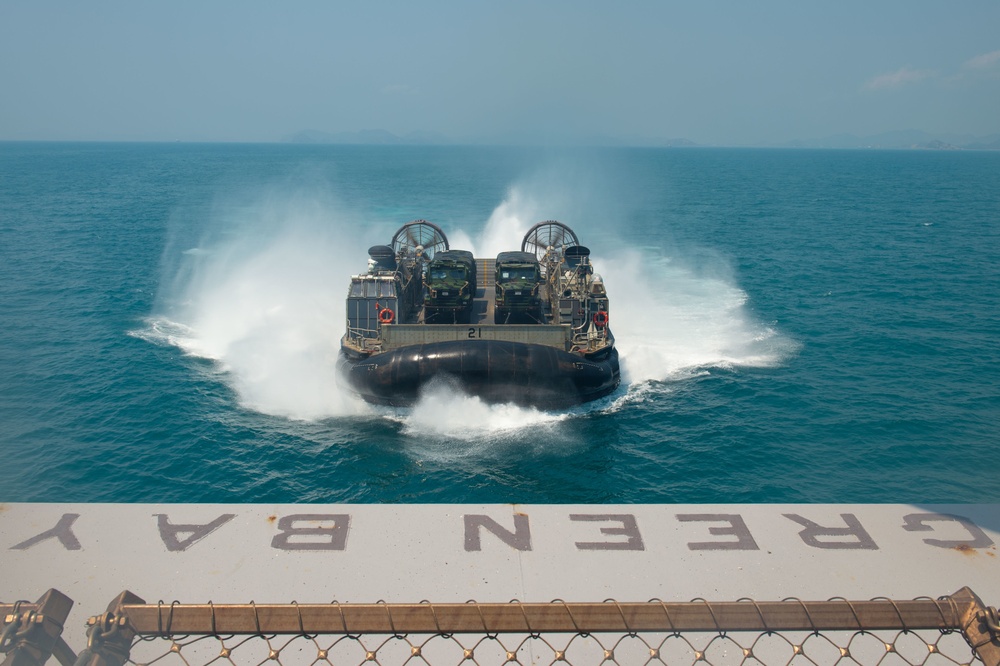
(713,72)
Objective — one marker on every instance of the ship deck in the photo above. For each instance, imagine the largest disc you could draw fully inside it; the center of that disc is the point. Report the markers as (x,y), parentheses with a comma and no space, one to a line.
(403,553)
(486,296)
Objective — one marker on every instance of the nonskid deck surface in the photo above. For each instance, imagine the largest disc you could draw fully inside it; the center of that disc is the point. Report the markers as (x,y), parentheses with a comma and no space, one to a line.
(486,295)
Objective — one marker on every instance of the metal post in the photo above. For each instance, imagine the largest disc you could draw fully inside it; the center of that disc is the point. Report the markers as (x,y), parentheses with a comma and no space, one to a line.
(109,637)
(980,626)
(31,636)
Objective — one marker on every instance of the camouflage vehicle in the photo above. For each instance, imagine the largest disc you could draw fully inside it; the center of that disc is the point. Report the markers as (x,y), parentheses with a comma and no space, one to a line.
(450,288)
(518,279)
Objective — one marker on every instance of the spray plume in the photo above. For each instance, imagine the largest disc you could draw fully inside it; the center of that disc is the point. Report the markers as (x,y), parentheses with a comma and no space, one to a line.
(262,295)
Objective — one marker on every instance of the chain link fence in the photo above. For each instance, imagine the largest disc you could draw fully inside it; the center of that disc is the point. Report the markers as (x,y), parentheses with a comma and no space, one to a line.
(956,629)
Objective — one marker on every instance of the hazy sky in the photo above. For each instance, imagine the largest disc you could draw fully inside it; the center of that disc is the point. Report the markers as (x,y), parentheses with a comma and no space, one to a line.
(713,72)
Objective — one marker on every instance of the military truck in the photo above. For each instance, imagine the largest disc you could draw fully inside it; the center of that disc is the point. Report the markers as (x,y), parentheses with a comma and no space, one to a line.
(518,280)
(450,288)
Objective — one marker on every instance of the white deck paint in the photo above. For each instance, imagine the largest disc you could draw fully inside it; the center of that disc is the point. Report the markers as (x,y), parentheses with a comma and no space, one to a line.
(409,553)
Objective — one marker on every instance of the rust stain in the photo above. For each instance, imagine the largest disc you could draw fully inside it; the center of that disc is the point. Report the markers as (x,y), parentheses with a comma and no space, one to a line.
(271,519)
(965,549)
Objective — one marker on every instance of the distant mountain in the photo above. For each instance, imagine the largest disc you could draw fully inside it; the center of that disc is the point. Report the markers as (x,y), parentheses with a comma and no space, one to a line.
(895,140)
(370,137)
(901,140)
(989,143)
(381,137)
(673,143)
(592,140)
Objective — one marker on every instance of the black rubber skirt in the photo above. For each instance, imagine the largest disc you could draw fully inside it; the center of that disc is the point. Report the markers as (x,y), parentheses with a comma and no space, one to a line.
(495,371)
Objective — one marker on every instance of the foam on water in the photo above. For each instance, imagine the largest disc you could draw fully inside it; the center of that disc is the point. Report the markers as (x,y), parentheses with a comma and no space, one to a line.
(450,428)
(672,321)
(445,411)
(262,295)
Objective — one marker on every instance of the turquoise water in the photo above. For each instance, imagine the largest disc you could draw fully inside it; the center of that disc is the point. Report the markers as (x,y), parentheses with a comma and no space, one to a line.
(795,326)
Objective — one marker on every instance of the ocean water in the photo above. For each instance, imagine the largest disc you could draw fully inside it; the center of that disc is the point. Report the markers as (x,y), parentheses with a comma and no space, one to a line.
(794,326)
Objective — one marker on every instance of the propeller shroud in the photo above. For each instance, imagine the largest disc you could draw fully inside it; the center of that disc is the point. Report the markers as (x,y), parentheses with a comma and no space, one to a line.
(420,233)
(548,234)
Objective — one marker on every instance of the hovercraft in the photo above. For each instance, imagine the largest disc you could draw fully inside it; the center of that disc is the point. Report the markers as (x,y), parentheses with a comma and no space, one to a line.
(529,327)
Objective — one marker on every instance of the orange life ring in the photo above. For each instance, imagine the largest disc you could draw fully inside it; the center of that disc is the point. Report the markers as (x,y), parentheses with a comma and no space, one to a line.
(600,319)
(386,316)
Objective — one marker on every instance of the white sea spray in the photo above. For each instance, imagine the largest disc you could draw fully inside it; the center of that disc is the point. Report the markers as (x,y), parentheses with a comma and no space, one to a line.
(263,297)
